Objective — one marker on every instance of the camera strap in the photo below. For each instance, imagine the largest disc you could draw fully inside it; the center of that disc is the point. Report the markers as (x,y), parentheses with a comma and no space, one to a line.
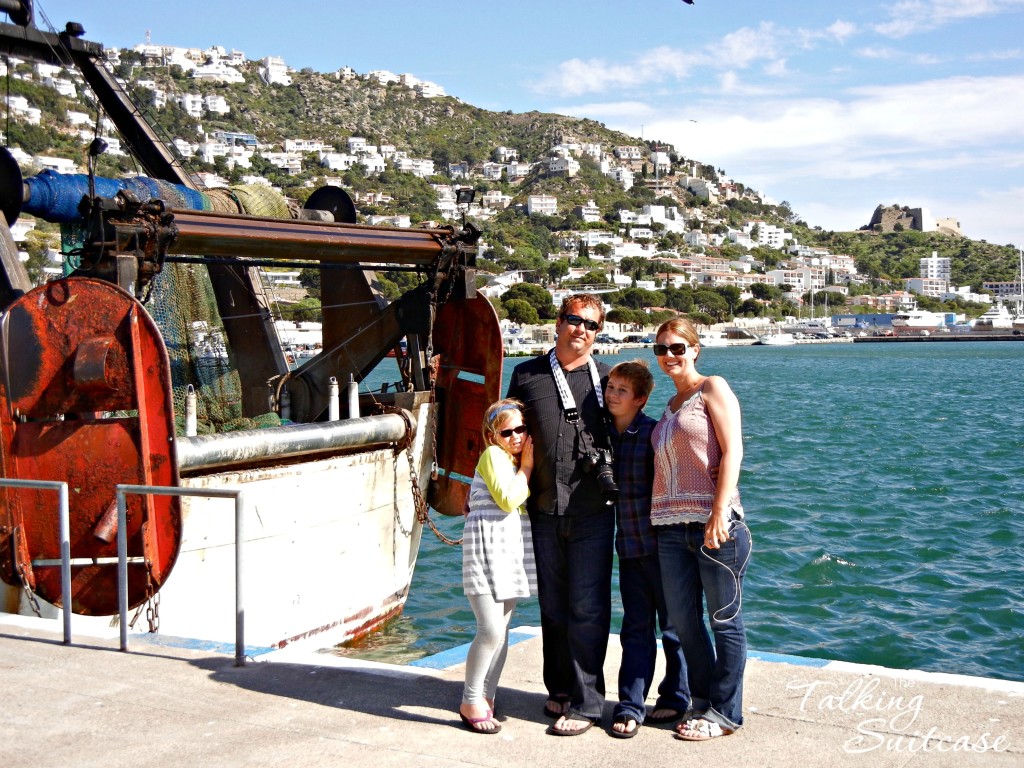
(572,414)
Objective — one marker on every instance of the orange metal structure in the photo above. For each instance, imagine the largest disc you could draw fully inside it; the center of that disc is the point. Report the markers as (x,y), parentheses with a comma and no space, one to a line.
(85,394)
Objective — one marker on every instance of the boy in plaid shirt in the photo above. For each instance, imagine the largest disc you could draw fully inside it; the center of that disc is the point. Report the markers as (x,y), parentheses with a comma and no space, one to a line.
(643,600)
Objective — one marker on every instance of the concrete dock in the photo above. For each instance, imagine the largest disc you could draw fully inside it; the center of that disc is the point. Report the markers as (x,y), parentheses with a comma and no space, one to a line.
(89,704)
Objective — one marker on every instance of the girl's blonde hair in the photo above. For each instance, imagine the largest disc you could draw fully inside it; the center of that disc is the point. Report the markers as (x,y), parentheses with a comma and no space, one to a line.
(498,414)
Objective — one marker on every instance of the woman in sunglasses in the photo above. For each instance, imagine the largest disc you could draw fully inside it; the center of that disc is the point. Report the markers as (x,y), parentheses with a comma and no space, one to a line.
(498,567)
(703,542)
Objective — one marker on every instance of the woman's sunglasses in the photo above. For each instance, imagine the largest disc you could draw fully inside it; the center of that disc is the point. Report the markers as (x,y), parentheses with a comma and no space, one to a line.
(678,349)
(507,433)
(574,320)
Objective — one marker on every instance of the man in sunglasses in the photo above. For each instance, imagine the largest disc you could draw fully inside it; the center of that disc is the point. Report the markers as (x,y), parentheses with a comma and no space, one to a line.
(573,522)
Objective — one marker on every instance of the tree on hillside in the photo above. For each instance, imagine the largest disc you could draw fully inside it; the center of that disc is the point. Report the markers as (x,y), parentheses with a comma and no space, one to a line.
(750,308)
(556,270)
(765,292)
(711,303)
(307,310)
(623,315)
(594,277)
(639,298)
(521,311)
(309,278)
(634,265)
(37,246)
(680,299)
(534,295)
(659,317)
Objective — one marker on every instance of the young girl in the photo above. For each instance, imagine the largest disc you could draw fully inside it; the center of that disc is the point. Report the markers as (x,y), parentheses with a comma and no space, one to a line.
(498,566)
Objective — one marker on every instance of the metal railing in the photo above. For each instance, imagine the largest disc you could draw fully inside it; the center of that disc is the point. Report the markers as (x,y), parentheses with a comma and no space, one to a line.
(65,540)
(122,552)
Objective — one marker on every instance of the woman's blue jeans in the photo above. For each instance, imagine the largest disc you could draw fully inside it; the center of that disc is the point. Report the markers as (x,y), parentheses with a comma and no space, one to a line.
(691,573)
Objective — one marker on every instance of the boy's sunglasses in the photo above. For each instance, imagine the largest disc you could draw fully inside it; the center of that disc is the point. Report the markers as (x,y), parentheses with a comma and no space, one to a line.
(574,320)
(507,433)
(678,349)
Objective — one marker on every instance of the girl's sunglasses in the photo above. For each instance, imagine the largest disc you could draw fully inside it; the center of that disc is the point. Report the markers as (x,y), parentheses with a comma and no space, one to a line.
(678,349)
(507,433)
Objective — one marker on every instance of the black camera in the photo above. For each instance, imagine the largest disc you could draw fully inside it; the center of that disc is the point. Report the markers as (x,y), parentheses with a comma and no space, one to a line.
(599,464)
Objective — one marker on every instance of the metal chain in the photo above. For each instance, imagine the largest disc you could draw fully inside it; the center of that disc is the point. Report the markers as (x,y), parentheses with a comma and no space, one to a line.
(422,509)
(29,594)
(398,511)
(153,612)
(151,605)
(420,503)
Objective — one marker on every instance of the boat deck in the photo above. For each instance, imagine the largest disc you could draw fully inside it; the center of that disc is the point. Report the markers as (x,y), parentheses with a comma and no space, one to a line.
(88,704)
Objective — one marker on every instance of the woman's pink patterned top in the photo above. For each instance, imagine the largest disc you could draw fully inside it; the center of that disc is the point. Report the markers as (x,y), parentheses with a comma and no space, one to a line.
(686,460)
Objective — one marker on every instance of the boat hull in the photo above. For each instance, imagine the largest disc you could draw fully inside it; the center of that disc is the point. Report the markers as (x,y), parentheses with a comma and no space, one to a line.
(777,340)
(329,544)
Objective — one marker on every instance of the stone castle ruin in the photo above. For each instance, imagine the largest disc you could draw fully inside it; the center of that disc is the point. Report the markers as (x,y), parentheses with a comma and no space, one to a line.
(893,218)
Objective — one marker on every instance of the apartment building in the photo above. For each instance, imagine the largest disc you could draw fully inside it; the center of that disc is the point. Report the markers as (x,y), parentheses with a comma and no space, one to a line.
(936,267)
(274,71)
(927,286)
(541,205)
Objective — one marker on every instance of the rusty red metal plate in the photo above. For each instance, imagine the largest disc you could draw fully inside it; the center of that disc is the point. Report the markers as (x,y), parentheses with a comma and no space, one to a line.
(85,398)
(467,337)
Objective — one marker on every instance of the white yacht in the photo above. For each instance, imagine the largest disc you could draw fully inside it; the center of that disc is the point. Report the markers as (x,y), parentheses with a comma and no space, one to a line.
(917,320)
(781,339)
(712,339)
(996,318)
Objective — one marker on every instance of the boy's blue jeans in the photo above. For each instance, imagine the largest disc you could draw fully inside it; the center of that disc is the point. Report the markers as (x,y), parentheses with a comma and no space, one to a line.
(643,611)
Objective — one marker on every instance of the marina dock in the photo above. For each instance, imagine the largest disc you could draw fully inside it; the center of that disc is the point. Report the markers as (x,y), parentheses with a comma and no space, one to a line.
(171,702)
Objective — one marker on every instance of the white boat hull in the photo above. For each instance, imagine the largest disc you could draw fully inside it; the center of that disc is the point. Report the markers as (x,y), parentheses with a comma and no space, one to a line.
(713,340)
(778,340)
(330,544)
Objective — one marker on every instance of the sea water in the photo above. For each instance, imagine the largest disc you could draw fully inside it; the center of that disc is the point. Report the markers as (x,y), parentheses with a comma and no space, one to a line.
(884,488)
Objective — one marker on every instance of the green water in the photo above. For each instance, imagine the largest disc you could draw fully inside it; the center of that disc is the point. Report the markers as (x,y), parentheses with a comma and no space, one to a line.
(884,487)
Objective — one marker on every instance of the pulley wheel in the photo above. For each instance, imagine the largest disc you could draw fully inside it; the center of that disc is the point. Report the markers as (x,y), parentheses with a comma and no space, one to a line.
(12,189)
(335,201)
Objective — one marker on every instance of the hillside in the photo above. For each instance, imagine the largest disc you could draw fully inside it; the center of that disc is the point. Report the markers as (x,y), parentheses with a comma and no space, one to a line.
(329,109)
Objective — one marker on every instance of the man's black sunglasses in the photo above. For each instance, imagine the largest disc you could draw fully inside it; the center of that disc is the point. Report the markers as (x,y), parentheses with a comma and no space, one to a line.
(678,349)
(574,320)
(507,433)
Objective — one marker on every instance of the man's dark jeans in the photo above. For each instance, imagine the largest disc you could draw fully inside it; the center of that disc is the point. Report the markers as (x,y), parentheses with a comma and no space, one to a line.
(574,577)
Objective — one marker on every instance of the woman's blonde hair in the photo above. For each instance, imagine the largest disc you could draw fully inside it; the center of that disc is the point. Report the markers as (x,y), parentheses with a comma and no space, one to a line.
(497,414)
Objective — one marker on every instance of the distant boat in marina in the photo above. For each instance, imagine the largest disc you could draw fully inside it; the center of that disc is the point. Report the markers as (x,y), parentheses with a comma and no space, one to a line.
(917,320)
(781,339)
(712,339)
(996,318)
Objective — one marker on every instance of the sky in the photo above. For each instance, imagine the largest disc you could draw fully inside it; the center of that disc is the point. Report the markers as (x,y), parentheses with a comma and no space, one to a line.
(832,107)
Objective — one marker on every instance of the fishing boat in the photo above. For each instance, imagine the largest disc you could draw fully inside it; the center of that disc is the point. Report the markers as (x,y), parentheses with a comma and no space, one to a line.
(155,364)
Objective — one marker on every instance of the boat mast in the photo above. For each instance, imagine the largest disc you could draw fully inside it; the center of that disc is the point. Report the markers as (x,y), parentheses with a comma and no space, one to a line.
(1020,284)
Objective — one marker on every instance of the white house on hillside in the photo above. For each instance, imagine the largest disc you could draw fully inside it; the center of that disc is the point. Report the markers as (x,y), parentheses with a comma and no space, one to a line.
(622,175)
(541,205)
(275,71)
(567,165)
(218,72)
